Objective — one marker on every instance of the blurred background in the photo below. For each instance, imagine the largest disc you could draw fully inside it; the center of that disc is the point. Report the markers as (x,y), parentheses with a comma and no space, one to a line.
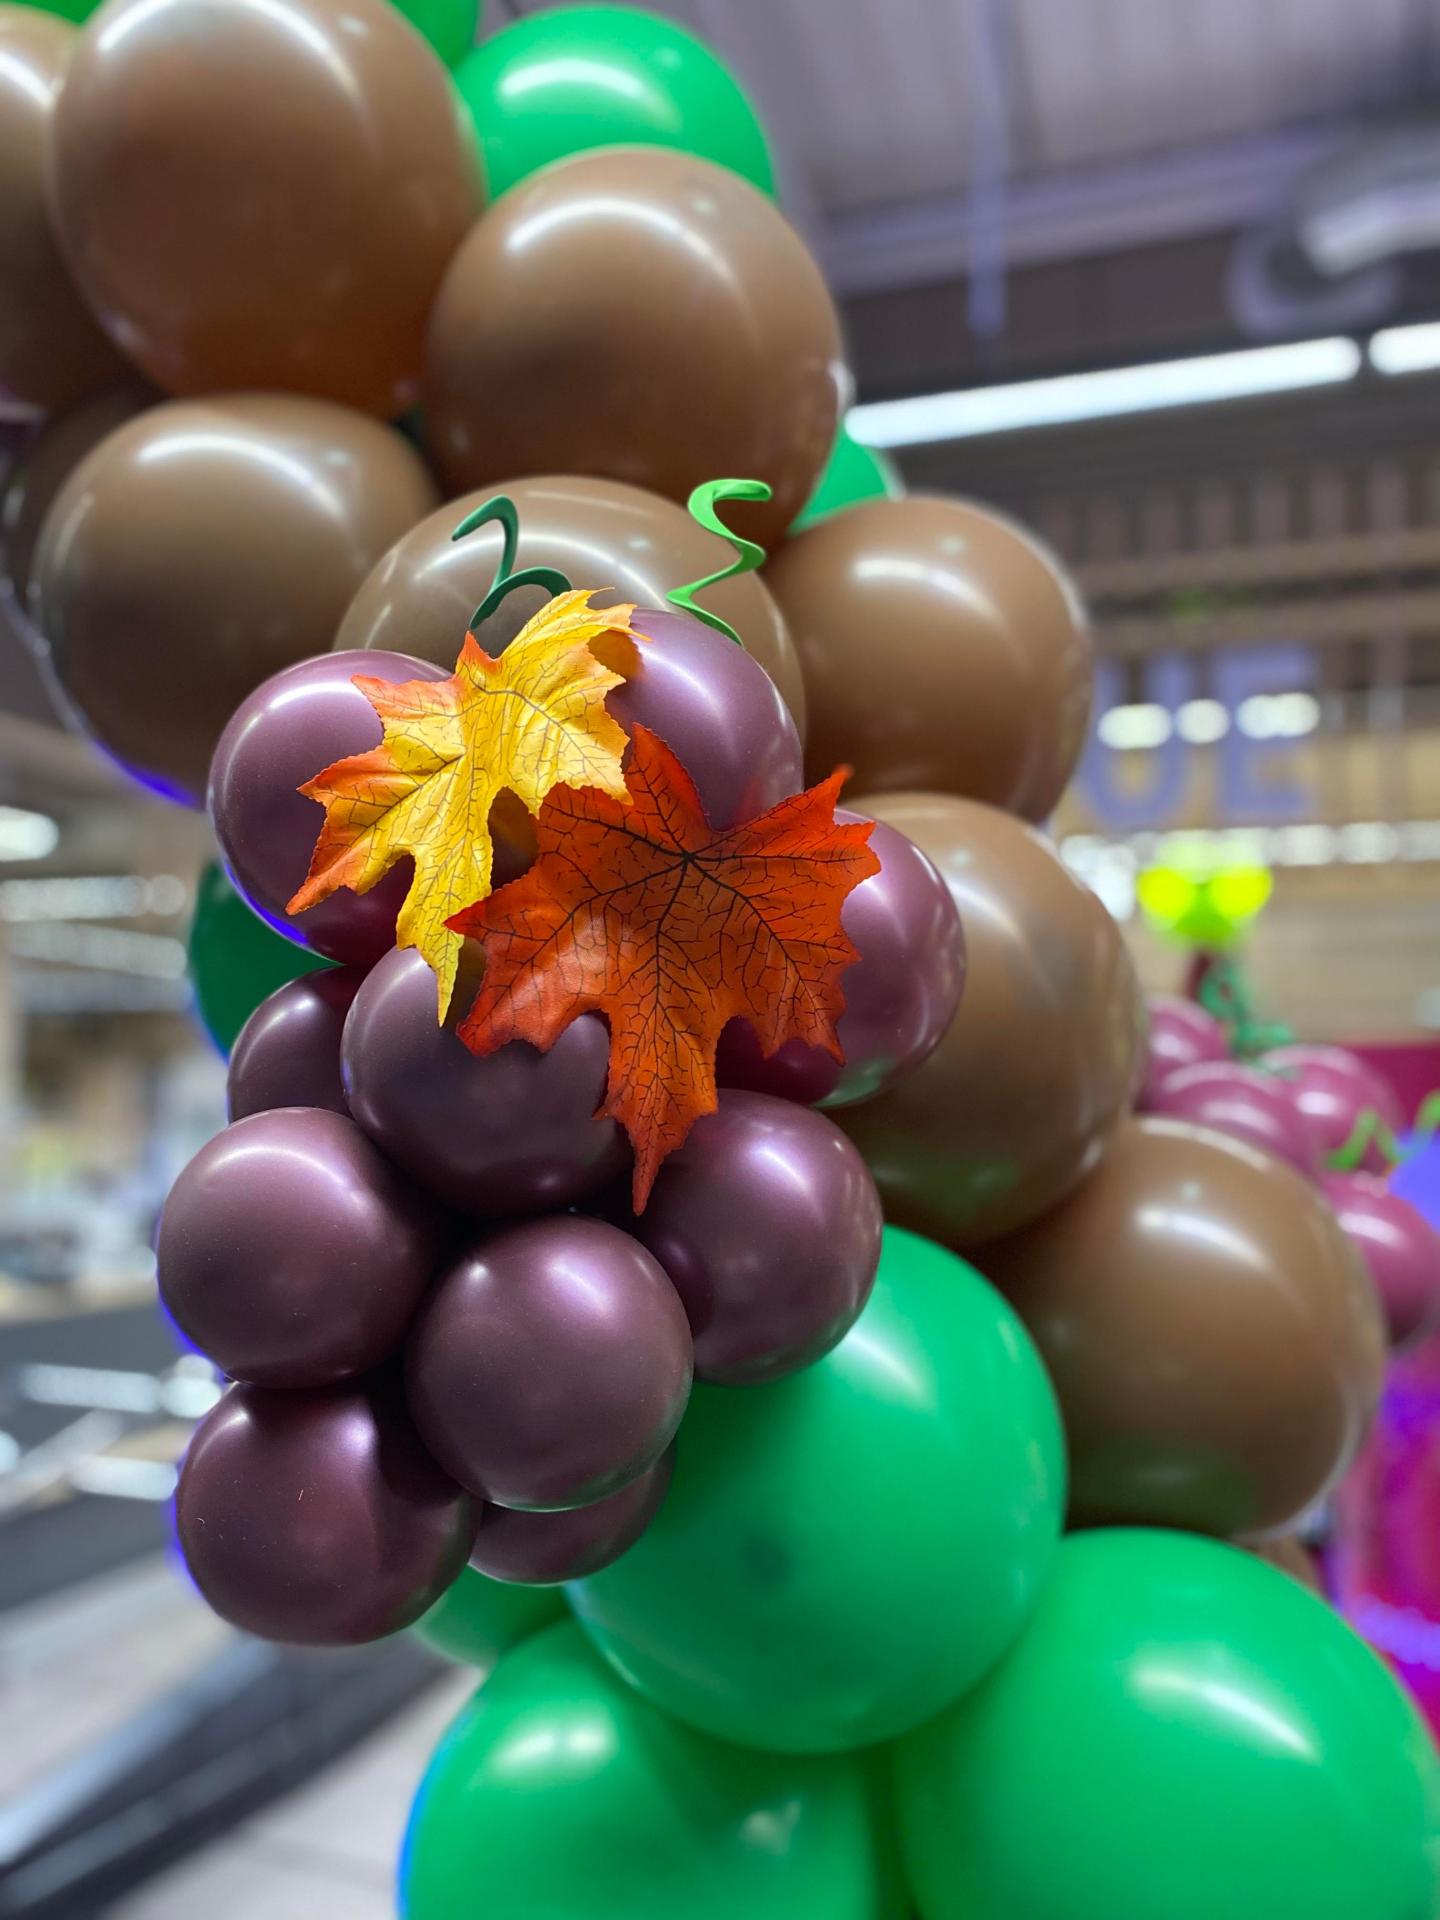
(1161,280)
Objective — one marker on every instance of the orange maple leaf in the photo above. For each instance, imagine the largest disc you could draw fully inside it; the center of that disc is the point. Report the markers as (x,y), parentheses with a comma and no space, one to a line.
(522,723)
(647,915)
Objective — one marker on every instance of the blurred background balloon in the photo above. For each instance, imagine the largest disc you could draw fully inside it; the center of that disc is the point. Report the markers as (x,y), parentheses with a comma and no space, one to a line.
(234,960)
(1214,1341)
(1334,1090)
(559,1791)
(852,473)
(844,1551)
(1203,898)
(943,648)
(1242,1102)
(294,244)
(43,467)
(563,82)
(449,25)
(199,548)
(601,534)
(521,377)
(1178,1033)
(1038,1064)
(1400,1249)
(1181,1733)
(52,351)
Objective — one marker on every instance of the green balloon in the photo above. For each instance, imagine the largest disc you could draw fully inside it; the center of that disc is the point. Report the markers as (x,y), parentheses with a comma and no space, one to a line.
(236,961)
(1181,1733)
(449,25)
(852,473)
(843,1552)
(556,84)
(477,1619)
(77,10)
(559,1794)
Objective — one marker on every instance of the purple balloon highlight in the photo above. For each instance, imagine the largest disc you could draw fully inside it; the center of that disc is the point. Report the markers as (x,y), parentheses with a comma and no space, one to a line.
(551,1365)
(287,1054)
(318,1518)
(1243,1102)
(513,1133)
(1400,1248)
(768,1222)
(291,1252)
(900,995)
(546,1549)
(287,731)
(1181,1034)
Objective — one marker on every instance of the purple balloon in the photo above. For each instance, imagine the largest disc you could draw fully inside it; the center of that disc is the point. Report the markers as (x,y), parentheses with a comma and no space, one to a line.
(551,1365)
(1332,1088)
(717,710)
(291,728)
(287,1054)
(1181,1034)
(318,1518)
(546,1549)
(1400,1248)
(515,1132)
(291,1253)
(900,995)
(768,1222)
(1245,1103)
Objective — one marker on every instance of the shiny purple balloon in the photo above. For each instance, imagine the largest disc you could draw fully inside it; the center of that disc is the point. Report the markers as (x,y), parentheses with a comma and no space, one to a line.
(1332,1088)
(546,1549)
(1400,1248)
(551,1365)
(1245,1103)
(291,1253)
(768,1222)
(1181,1034)
(286,732)
(287,1054)
(900,995)
(318,1518)
(717,710)
(515,1132)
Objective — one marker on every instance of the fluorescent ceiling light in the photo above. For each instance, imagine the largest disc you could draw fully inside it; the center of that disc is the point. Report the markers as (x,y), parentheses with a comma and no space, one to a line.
(26,836)
(1142,725)
(1406,349)
(1096,396)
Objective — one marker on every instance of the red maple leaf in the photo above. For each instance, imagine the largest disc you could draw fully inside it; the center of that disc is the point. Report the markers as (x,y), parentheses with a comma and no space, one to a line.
(647,915)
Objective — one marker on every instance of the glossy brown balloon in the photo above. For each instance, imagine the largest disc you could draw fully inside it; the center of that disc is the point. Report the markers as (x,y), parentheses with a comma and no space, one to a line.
(199,549)
(642,315)
(264,196)
(1213,1340)
(599,533)
(1036,1068)
(942,649)
(44,467)
(52,349)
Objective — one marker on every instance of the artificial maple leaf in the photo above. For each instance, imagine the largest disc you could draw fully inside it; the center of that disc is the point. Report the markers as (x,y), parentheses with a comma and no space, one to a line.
(649,916)
(523,723)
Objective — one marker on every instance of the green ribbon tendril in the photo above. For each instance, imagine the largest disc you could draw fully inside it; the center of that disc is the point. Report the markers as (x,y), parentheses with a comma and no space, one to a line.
(502,508)
(702,506)
(1370,1130)
(1225,993)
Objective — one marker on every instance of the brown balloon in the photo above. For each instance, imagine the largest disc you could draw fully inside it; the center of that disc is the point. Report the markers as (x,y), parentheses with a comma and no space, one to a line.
(598,533)
(52,349)
(264,196)
(1215,1345)
(44,467)
(942,649)
(642,315)
(1035,1070)
(1288,1553)
(199,549)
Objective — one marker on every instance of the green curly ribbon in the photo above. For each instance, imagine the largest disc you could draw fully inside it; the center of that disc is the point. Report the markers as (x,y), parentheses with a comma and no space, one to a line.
(1225,994)
(702,506)
(1370,1130)
(502,508)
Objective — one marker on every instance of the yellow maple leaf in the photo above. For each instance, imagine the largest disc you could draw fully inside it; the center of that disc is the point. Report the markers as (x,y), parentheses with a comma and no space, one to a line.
(528,721)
